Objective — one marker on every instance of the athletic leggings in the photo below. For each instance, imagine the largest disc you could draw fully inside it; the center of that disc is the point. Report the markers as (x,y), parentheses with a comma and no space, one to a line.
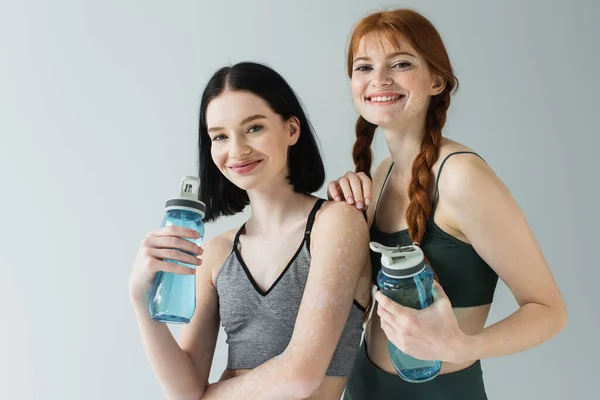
(369,382)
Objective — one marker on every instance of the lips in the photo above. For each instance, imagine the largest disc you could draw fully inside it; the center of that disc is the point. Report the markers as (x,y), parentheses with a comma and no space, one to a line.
(384,97)
(244,166)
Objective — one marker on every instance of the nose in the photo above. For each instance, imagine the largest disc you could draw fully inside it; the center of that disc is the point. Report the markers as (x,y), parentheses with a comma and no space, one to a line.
(381,78)
(239,147)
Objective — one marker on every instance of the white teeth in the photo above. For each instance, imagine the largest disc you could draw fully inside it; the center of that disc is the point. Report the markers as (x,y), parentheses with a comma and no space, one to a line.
(385,98)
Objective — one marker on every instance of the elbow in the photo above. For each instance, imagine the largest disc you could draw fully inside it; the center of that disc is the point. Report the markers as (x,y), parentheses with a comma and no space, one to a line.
(300,375)
(303,387)
(558,318)
(308,379)
(562,317)
(301,379)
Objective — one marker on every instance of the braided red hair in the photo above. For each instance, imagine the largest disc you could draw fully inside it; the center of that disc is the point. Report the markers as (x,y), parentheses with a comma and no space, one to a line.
(425,39)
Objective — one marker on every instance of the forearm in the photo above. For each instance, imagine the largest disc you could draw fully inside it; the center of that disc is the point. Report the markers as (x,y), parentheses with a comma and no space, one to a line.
(527,327)
(171,365)
(274,379)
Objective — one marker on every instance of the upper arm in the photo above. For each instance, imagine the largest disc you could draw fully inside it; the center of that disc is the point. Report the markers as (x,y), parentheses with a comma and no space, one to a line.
(483,209)
(339,252)
(199,337)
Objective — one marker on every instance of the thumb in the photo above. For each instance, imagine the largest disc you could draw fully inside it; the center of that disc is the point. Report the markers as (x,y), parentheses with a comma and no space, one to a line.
(438,292)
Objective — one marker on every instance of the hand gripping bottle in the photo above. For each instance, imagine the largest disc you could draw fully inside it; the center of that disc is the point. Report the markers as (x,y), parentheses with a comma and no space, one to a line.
(173,296)
(406,278)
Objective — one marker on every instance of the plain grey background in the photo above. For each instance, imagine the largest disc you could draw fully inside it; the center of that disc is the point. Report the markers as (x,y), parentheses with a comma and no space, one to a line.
(98,120)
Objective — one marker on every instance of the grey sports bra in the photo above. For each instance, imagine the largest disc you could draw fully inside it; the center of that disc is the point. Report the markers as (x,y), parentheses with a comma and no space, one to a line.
(259,324)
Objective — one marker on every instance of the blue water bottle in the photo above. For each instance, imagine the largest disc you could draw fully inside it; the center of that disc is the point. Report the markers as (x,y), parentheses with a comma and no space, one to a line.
(406,278)
(173,296)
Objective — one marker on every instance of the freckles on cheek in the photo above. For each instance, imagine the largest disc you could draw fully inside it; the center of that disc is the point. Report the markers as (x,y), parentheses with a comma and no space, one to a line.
(357,88)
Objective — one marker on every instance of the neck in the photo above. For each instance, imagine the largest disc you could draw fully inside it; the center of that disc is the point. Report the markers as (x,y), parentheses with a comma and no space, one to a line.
(275,206)
(404,144)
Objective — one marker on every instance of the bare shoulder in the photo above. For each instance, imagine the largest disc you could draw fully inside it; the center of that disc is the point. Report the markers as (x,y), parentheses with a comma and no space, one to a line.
(466,177)
(449,146)
(341,232)
(216,251)
(338,219)
(340,242)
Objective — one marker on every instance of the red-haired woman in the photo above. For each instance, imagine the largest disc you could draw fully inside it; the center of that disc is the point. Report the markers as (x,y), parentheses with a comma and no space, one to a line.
(442,195)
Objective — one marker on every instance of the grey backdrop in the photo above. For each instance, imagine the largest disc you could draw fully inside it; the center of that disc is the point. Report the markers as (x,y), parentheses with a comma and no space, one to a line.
(98,103)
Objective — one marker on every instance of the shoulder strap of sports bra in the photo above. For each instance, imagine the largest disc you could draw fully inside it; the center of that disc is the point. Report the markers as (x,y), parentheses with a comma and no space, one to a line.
(311,220)
(381,192)
(435,190)
(309,223)
(236,240)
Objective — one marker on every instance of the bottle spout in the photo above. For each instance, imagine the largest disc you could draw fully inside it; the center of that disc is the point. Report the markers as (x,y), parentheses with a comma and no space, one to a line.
(398,256)
(190,187)
(188,196)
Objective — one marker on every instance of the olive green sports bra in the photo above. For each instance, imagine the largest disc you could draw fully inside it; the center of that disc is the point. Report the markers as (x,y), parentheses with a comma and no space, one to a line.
(465,277)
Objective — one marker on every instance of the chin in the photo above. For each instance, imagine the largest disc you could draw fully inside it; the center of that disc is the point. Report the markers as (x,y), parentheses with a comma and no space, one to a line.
(382,120)
(244,184)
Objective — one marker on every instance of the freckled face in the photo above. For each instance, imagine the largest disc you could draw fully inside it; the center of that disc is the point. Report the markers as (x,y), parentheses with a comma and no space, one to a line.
(391,86)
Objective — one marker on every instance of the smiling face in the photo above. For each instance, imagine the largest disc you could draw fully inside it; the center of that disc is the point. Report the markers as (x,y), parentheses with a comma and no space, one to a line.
(391,85)
(249,142)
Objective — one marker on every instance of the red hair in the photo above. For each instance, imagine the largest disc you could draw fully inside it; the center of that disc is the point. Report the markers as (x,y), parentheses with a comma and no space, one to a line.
(424,38)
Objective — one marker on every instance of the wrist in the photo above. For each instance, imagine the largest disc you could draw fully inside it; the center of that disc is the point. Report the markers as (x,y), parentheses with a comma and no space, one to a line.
(468,348)
(139,302)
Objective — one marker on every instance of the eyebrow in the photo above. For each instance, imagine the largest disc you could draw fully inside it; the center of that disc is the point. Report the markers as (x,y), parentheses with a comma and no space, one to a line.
(244,121)
(396,54)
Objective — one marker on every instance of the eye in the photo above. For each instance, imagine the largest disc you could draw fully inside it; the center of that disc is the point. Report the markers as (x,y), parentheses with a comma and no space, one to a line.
(255,128)
(402,64)
(218,138)
(363,68)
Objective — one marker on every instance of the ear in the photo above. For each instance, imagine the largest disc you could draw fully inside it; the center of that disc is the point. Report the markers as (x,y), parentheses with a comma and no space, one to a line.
(293,126)
(439,84)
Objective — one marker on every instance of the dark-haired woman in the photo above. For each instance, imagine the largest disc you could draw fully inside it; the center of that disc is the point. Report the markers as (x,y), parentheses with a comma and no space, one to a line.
(290,285)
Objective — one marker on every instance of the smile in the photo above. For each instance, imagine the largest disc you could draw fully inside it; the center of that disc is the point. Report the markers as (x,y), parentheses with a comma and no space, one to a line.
(245,167)
(384,99)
